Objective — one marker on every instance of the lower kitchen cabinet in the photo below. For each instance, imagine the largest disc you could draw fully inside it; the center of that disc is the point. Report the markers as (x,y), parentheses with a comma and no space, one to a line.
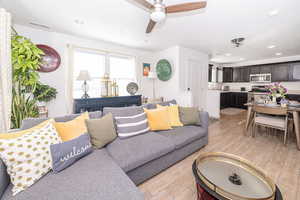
(233,99)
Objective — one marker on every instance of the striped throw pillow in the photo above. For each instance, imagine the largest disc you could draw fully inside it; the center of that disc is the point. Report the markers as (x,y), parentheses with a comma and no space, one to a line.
(128,126)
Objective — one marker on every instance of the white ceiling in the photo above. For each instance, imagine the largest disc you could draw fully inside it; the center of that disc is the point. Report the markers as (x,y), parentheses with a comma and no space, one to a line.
(209,30)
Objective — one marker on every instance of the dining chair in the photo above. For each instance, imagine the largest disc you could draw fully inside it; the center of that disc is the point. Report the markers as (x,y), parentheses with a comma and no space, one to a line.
(271,117)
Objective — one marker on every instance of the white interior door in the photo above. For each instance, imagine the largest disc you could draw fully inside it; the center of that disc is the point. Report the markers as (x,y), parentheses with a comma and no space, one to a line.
(195,79)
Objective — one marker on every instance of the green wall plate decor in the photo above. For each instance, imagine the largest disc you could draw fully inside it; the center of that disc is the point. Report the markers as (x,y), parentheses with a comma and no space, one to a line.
(163,70)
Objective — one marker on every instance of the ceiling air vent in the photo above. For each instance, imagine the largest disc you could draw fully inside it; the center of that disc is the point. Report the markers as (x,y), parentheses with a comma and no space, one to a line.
(39,25)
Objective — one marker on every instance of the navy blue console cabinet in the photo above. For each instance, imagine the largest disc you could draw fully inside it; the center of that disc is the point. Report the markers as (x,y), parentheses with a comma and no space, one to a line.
(95,104)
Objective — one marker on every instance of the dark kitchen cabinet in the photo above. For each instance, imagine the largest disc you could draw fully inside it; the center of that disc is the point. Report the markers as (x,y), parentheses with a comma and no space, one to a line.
(236,74)
(225,100)
(254,69)
(280,72)
(210,72)
(241,74)
(294,74)
(266,69)
(245,74)
(293,97)
(233,99)
(227,74)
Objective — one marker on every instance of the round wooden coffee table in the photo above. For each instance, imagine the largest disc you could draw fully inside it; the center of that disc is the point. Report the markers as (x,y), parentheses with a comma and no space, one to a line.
(222,176)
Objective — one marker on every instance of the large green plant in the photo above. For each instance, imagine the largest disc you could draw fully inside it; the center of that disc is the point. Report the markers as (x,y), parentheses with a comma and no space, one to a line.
(26,59)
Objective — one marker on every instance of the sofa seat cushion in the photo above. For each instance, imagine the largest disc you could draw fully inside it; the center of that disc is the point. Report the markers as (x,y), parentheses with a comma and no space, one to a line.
(133,152)
(184,135)
(94,177)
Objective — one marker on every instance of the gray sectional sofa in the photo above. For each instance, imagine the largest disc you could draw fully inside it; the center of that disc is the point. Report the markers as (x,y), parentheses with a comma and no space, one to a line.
(113,172)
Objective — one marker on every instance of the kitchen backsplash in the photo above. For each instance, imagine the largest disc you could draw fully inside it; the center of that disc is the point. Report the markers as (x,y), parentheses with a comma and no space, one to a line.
(292,86)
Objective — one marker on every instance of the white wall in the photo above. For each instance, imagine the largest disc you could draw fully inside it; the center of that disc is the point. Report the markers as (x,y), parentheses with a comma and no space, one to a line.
(58,78)
(176,87)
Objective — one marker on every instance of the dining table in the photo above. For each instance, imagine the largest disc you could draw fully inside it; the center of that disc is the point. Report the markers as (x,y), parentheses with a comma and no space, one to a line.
(290,109)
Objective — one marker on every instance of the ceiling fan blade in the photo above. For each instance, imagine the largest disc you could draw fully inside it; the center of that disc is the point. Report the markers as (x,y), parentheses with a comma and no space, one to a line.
(185,7)
(150,26)
(144,3)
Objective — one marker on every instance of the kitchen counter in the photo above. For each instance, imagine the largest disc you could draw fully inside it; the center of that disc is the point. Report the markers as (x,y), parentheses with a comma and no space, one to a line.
(297,92)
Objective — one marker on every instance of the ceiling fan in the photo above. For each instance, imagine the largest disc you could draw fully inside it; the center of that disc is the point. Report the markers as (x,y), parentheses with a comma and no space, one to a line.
(158,10)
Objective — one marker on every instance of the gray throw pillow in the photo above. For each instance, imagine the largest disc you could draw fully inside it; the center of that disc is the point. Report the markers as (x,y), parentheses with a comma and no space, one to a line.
(189,115)
(102,131)
(66,153)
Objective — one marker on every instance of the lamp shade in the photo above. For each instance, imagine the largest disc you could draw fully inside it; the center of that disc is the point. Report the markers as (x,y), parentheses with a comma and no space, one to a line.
(83,76)
(152,75)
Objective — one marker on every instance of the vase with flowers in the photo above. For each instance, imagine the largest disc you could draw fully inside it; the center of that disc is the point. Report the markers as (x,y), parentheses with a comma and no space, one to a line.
(277,92)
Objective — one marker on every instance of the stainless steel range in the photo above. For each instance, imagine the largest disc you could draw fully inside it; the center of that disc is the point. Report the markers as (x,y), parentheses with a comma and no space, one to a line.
(258,94)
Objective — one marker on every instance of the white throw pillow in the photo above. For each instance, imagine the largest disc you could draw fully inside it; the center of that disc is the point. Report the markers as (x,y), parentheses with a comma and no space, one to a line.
(28,157)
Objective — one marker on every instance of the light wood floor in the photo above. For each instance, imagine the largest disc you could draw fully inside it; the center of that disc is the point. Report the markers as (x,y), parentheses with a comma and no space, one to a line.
(281,163)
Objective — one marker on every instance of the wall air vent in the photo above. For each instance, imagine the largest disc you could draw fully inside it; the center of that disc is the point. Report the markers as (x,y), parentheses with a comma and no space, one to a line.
(39,25)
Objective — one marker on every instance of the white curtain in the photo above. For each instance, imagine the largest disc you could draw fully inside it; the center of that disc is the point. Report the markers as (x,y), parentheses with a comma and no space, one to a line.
(5,70)
(69,78)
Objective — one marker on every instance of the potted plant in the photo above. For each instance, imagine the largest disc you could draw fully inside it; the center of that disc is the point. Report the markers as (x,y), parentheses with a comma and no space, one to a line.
(277,92)
(44,93)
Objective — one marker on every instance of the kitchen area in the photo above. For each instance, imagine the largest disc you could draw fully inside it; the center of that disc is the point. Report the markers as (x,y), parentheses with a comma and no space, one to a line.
(234,86)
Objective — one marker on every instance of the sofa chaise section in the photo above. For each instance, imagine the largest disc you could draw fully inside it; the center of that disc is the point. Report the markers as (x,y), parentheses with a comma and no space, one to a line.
(94,177)
(146,155)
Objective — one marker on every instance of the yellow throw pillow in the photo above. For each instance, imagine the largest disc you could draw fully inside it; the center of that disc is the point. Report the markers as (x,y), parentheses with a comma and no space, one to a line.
(158,119)
(72,129)
(23,132)
(173,114)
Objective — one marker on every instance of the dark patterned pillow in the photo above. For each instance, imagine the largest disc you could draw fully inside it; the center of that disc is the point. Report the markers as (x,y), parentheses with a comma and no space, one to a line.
(66,153)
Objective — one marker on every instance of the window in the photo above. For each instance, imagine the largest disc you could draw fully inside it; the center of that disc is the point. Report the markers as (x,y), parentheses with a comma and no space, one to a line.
(120,68)
(123,71)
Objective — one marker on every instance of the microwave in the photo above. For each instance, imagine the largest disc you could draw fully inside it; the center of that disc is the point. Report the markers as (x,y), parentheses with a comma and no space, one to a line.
(260,78)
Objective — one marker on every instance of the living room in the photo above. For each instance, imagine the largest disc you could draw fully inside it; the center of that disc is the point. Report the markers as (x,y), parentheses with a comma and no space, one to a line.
(149,99)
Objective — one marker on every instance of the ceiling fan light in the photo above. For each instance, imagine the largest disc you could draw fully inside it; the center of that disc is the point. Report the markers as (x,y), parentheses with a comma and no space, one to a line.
(158,16)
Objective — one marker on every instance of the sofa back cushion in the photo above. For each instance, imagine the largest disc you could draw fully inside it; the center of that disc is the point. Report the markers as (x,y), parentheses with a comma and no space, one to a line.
(123,111)
(30,122)
(154,105)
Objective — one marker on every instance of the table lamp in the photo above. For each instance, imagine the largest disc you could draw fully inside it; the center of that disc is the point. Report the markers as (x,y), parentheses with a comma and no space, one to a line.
(152,76)
(84,76)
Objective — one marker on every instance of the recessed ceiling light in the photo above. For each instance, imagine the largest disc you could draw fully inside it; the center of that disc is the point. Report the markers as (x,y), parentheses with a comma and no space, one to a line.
(78,21)
(273,13)
(278,54)
(242,59)
(227,54)
(271,46)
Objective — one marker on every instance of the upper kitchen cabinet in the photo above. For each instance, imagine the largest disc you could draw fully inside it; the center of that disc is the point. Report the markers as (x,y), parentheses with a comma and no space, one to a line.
(294,74)
(241,74)
(254,69)
(210,72)
(245,73)
(280,72)
(265,69)
(227,74)
(236,74)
